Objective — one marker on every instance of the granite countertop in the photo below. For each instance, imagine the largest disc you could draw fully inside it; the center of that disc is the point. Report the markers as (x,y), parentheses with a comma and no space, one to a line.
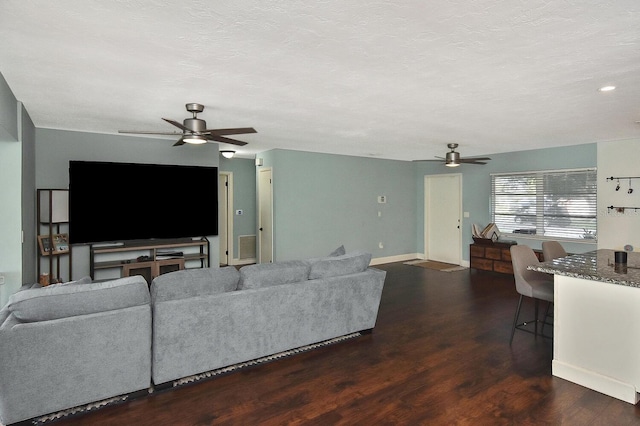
(596,265)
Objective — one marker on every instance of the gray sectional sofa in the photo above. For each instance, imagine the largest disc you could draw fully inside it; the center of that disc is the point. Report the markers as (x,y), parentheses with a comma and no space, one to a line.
(208,319)
(64,346)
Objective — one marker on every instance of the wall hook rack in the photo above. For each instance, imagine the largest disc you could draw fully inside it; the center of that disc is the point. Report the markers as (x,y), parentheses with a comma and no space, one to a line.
(622,177)
(621,209)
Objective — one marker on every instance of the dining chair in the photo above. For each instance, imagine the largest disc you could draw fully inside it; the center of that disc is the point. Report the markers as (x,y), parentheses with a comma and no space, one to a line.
(533,284)
(552,250)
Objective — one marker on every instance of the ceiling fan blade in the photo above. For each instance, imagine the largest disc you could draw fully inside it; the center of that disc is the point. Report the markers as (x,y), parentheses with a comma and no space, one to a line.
(438,161)
(475,158)
(178,125)
(224,140)
(145,132)
(467,161)
(224,132)
(180,142)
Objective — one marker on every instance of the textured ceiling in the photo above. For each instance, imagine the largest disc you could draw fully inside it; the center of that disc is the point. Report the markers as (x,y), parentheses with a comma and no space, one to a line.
(391,79)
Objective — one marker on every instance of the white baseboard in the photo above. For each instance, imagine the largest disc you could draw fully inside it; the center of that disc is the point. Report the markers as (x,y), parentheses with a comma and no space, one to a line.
(397,258)
(593,380)
(407,257)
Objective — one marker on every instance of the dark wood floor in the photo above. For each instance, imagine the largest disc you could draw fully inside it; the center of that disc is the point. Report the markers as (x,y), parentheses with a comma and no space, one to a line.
(439,355)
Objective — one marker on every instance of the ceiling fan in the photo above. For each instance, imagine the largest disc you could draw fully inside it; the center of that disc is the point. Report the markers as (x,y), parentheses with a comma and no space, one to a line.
(453,158)
(194,130)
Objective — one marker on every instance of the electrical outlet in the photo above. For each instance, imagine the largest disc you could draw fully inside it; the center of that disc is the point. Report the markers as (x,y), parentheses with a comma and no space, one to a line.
(239,212)
(1,279)
(380,245)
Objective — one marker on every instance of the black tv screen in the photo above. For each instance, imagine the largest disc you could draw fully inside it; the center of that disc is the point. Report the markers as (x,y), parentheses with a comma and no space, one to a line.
(125,201)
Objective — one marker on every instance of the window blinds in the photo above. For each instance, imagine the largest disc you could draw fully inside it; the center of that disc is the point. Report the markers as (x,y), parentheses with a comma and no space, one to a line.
(557,204)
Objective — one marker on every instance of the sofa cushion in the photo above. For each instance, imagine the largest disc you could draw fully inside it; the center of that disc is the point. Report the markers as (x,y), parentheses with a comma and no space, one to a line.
(61,301)
(333,266)
(194,282)
(268,274)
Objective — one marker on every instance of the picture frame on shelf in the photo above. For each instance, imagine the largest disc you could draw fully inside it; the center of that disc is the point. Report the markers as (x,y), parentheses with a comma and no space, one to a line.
(59,245)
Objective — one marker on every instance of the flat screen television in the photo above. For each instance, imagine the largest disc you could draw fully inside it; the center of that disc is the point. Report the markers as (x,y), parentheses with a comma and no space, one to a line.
(113,202)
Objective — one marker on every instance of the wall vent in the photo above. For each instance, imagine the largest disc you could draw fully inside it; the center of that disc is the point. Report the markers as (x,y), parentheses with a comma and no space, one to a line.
(247,247)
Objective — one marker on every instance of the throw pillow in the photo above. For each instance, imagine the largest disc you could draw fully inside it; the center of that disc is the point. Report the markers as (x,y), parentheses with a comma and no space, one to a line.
(338,252)
(351,263)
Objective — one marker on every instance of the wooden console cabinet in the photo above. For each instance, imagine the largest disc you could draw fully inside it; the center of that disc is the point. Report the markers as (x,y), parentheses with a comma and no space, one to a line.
(147,258)
(494,257)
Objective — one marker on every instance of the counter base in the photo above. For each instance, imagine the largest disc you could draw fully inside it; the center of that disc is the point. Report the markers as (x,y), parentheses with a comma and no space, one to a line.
(592,380)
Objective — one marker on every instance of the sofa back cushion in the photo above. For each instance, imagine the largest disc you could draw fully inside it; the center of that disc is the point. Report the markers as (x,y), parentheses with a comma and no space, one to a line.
(62,301)
(333,266)
(194,282)
(268,274)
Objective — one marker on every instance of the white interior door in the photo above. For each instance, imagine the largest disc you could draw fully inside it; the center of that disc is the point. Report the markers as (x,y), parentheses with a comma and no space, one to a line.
(265,216)
(443,204)
(223,218)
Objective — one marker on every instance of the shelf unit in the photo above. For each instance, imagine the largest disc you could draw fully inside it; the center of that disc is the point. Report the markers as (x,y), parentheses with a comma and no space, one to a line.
(53,243)
(146,257)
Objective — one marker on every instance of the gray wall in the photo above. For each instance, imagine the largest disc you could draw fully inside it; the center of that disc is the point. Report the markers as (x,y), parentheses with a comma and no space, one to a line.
(17,260)
(54,149)
(476,183)
(29,245)
(8,113)
(322,201)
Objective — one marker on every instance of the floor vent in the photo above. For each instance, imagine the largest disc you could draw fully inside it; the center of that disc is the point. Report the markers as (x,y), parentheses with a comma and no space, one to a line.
(247,247)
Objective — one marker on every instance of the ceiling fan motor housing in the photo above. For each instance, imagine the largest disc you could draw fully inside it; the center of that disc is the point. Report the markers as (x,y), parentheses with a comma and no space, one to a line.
(195,124)
(452,157)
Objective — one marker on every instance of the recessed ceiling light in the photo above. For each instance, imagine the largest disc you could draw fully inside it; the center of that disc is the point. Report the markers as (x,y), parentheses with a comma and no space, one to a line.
(607,88)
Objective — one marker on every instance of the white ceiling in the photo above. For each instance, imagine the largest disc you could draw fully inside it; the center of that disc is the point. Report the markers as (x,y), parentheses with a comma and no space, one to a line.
(394,79)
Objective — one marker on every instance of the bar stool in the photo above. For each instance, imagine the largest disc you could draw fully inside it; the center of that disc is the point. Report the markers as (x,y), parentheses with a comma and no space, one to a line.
(552,250)
(533,284)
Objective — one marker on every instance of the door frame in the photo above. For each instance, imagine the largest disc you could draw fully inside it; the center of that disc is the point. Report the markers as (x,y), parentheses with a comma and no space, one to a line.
(229,223)
(259,209)
(427,203)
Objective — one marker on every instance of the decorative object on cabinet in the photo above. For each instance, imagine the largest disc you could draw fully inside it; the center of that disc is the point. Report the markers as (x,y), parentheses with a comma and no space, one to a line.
(53,217)
(149,258)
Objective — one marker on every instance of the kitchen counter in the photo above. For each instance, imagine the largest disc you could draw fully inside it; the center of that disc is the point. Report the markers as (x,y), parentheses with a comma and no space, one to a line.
(595,265)
(596,340)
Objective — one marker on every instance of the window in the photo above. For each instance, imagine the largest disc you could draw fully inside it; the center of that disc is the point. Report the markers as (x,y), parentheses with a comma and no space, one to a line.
(555,204)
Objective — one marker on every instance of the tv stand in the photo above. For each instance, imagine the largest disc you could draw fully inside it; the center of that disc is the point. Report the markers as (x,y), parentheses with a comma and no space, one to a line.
(149,258)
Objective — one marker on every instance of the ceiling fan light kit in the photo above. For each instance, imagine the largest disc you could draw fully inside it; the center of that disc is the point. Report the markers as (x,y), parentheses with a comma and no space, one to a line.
(194,130)
(194,139)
